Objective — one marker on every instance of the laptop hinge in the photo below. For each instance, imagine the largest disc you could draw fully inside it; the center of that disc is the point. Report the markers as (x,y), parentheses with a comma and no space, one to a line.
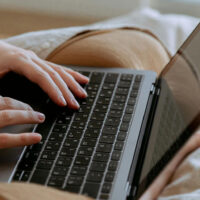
(138,157)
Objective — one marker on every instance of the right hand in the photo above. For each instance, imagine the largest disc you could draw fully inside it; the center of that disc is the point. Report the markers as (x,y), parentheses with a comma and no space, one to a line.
(15,112)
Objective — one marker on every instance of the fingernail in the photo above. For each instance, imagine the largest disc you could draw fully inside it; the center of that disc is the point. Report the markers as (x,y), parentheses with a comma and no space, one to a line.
(85,77)
(62,100)
(83,91)
(41,116)
(75,103)
(37,135)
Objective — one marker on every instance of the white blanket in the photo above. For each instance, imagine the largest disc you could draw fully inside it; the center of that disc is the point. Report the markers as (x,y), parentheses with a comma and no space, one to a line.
(172,30)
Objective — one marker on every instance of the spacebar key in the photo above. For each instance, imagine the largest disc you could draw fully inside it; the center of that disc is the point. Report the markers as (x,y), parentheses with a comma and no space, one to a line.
(91,189)
(39,176)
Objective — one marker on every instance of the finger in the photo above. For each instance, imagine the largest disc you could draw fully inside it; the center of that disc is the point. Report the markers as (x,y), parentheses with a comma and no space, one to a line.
(77,76)
(7,103)
(11,117)
(71,82)
(71,101)
(15,140)
(37,75)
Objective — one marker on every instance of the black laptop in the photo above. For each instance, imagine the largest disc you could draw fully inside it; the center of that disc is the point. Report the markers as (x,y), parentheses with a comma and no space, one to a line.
(123,135)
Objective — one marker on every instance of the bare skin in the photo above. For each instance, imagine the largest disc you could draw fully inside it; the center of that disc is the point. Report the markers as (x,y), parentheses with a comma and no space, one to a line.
(61,84)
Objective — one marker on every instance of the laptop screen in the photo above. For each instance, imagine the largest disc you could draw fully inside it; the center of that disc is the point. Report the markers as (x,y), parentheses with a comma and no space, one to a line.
(178,106)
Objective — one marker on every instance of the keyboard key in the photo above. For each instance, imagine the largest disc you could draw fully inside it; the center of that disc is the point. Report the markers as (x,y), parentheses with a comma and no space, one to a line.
(138,78)
(30,156)
(106,188)
(56,136)
(124,126)
(136,86)
(110,130)
(127,118)
(120,98)
(115,113)
(56,181)
(96,77)
(107,139)
(122,91)
(126,77)
(25,176)
(78,125)
(121,136)
(108,86)
(82,160)
(111,78)
(44,164)
(64,161)
(113,165)
(91,189)
(131,101)
(60,171)
(85,151)
(49,155)
(73,143)
(116,106)
(119,145)
(78,170)
(105,93)
(98,166)
(109,176)
(60,128)
(112,121)
(39,176)
(103,147)
(74,180)
(101,108)
(63,120)
(98,116)
(92,133)
(124,84)
(116,155)
(67,152)
(101,157)
(103,100)
(92,87)
(129,109)
(53,146)
(95,124)
(89,142)
(26,165)
(81,117)
(37,147)
(134,94)
(94,177)
(74,133)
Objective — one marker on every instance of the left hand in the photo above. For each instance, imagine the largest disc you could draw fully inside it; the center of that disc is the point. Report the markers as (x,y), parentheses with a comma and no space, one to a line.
(57,81)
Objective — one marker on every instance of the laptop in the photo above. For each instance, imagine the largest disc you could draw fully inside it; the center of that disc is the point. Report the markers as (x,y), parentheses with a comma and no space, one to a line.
(126,131)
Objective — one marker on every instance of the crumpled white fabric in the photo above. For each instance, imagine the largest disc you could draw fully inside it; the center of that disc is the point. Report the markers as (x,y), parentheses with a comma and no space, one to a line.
(172,30)
(185,184)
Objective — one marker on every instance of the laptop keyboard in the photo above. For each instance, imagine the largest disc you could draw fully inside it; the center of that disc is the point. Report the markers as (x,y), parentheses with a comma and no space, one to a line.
(80,150)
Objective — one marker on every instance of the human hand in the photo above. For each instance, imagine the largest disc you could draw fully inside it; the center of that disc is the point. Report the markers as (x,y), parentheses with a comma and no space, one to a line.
(161,181)
(57,81)
(15,112)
